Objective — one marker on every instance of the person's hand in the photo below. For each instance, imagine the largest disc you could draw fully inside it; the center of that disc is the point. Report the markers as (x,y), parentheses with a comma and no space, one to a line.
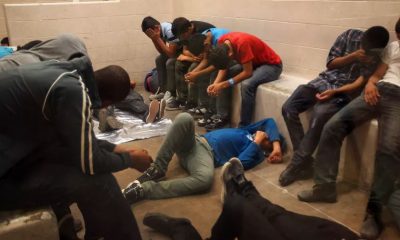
(141,159)
(260,136)
(152,33)
(275,156)
(198,58)
(214,89)
(190,77)
(183,58)
(328,94)
(362,57)
(371,94)
(133,84)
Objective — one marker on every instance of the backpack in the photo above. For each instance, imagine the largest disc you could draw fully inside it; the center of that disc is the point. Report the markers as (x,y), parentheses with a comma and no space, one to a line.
(151,83)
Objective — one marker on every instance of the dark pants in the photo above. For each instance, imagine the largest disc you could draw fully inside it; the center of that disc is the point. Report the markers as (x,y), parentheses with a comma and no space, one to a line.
(106,212)
(181,68)
(302,99)
(134,104)
(166,73)
(248,216)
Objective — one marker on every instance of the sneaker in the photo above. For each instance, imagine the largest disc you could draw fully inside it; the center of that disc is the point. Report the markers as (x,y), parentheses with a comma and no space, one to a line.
(189,107)
(319,193)
(197,112)
(168,97)
(174,104)
(293,173)
(231,171)
(134,192)
(161,111)
(371,228)
(206,119)
(157,96)
(163,223)
(154,107)
(107,120)
(217,123)
(153,173)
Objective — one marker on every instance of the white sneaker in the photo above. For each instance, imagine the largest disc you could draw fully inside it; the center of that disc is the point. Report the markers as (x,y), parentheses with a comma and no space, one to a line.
(167,97)
(157,96)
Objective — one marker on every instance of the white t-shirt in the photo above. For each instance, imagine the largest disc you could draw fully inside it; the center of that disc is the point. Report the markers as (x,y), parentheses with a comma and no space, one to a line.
(166,32)
(391,57)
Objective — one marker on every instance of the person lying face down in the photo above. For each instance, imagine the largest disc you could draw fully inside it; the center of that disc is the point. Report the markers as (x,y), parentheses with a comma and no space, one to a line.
(199,155)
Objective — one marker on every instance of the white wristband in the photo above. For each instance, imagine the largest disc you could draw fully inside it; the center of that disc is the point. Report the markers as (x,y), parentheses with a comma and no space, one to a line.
(231,82)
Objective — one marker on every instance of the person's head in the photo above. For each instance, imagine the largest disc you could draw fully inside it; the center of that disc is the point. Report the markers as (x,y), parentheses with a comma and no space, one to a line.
(219,56)
(113,83)
(182,28)
(374,39)
(397,29)
(196,44)
(266,145)
(5,42)
(149,22)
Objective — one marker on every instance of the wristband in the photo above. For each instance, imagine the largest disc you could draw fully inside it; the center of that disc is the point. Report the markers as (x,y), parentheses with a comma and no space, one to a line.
(231,82)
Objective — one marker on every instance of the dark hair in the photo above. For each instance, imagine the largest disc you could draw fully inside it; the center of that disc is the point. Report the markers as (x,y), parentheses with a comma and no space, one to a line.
(375,37)
(29,45)
(196,44)
(5,41)
(180,25)
(218,56)
(149,22)
(397,28)
(113,83)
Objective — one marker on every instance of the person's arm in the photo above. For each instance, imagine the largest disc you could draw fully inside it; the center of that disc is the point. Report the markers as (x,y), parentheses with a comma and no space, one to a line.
(244,74)
(70,113)
(253,154)
(212,89)
(160,45)
(371,93)
(338,59)
(328,94)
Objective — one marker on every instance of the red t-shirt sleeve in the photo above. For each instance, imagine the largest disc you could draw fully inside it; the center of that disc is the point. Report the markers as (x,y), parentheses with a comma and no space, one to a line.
(245,53)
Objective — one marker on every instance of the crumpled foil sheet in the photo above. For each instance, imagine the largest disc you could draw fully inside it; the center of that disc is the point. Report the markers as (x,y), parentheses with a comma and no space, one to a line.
(134,128)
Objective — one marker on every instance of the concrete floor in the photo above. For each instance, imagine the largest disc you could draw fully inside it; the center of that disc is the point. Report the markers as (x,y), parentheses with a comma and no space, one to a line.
(204,209)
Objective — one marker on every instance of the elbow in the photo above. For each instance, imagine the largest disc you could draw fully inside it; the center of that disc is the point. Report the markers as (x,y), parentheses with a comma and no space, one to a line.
(330,66)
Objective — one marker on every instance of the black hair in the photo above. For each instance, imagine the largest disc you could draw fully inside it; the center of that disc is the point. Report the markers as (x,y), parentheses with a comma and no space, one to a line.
(180,25)
(397,28)
(113,83)
(29,45)
(5,41)
(149,22)
(375,37)
(218,56)
(196,44)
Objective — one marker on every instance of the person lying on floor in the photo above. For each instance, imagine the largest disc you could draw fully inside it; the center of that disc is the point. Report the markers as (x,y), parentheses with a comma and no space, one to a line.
(199,154)
(135,105)
(246,215)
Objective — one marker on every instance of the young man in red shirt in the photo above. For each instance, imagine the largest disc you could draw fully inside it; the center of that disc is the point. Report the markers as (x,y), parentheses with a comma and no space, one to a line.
(259,64)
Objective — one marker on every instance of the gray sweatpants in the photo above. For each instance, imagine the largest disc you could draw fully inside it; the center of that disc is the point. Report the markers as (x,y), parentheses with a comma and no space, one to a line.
(195,156)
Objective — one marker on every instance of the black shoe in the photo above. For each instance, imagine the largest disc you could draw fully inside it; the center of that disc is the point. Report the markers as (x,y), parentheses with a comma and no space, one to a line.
(205,120)
(188,107)
(319,193)
(134,192)
(163,223)
(232,171)
(372,227)
(217,123)
(293,173)
(172,104)
(153,173)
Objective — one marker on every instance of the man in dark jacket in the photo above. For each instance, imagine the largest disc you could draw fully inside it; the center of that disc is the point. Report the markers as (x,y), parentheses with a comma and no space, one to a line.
(48,152)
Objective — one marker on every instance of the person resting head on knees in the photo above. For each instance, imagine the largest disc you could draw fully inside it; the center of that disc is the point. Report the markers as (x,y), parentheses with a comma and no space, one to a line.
(220,56)
(113,84)
(197,44)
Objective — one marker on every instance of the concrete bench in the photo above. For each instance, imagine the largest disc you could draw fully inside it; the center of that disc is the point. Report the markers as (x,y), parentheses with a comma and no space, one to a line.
(38,224)
(358,150)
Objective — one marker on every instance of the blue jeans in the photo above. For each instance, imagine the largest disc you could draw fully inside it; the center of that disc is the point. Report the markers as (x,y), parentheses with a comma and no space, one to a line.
(303,98)
(387,158)
(262,74)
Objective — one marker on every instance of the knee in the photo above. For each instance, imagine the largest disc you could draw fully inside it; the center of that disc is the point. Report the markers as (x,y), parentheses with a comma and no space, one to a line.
(171,63)
(247,88)
(159,60)
(204,180)
(288,112)
(179,66)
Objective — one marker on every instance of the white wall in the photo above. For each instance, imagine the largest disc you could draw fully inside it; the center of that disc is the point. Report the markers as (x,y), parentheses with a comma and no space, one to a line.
(111,30)
(300,31)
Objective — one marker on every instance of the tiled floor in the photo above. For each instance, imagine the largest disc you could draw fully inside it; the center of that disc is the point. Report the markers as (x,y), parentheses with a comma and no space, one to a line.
(204,209)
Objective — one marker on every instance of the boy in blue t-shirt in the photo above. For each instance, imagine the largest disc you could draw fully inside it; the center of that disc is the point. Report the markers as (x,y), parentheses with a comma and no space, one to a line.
(200,154)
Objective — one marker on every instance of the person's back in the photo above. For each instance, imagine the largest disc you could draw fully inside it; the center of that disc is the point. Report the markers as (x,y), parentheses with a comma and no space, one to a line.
(62,47)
